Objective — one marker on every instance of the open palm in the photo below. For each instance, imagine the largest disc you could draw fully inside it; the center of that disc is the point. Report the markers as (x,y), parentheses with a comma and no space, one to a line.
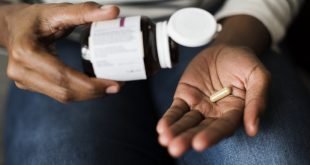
(193,120)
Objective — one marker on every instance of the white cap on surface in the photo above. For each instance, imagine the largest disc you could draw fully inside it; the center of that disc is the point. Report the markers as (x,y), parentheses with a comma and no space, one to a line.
(192,27)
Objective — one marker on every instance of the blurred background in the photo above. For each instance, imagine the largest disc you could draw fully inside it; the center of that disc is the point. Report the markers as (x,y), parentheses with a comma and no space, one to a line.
(3,91)
(297,45)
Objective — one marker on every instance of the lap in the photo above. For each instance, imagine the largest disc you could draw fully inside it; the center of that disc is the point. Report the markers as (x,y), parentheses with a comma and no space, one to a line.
(121,128)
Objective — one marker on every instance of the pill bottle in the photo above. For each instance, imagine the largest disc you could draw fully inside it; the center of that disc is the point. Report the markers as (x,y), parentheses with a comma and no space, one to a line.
(134,48)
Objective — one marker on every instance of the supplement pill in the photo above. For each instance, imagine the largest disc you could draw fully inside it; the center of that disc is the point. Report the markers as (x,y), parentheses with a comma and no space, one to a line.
(220,94)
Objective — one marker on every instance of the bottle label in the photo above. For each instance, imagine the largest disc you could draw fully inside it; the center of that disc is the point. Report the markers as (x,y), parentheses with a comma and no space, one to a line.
(116,49)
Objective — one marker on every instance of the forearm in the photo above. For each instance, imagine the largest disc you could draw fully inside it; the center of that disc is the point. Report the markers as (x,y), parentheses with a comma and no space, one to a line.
(274,15)
(246,31)
(6,9)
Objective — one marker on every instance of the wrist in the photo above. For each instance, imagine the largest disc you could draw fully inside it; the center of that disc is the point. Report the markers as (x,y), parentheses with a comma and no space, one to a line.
(244,31)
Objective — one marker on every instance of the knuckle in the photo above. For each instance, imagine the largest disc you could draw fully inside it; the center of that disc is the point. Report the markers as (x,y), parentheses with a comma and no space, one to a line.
(65,96)
(86,6)
(14,73)
(89,4)
(60,79)
(22,50)
(15,54)
(91,89)
(64,93)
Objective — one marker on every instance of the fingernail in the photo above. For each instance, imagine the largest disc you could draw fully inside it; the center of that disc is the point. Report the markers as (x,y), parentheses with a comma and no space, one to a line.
(253,128)
(112,90)
(107,7)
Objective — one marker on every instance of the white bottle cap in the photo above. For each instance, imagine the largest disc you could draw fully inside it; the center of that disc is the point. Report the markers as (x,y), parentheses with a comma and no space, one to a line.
(162,41)
(192,27)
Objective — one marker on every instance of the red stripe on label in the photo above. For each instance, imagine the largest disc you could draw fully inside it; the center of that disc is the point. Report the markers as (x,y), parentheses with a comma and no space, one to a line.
(122,22)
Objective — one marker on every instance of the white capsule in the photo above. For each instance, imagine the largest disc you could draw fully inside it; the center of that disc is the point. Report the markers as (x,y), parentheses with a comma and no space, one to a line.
(220,94)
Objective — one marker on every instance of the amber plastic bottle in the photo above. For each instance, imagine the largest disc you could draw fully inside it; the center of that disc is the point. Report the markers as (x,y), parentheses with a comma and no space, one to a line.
(134,48)
(151,57)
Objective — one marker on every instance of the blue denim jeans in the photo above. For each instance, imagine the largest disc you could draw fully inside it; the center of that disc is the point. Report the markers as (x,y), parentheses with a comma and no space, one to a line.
(120,129)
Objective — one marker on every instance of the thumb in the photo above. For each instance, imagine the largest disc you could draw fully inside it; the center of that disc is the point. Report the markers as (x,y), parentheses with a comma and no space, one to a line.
(255,102)
(67,15)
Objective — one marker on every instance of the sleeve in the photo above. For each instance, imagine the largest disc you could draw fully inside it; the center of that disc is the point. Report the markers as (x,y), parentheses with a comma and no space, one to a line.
(275,15)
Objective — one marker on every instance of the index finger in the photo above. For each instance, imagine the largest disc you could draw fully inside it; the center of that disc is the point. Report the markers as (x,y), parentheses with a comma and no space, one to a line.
(79,85)
(65,14)
(177,110)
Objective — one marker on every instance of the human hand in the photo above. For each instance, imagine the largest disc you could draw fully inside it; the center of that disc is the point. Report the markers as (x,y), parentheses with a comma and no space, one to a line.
(33,65)
(194,121)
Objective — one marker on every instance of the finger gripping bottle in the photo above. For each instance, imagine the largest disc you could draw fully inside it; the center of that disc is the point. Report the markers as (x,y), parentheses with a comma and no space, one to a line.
(134,48)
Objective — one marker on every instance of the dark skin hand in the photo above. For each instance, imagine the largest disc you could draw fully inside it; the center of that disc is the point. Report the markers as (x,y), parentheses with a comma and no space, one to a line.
(29,31)
(193,121)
